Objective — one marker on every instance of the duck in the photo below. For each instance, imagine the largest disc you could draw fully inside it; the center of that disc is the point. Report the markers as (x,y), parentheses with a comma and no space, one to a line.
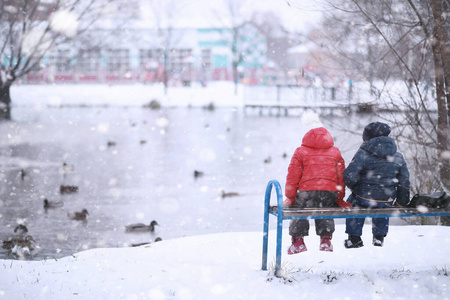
(229,194)
(158,239)
(21,230)
(268,160)
(21,252)
(140,244)
(49,204)
(67,189)
(22,248)
(19,242)
(111,144)
(22,174)
(198,174)
(140,227)
(79,216)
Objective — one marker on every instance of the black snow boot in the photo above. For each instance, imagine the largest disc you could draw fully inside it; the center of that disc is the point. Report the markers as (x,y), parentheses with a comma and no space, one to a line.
(353,241)
(378,240)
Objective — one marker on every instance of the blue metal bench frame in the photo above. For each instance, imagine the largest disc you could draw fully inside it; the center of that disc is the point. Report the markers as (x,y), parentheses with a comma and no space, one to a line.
(292,212)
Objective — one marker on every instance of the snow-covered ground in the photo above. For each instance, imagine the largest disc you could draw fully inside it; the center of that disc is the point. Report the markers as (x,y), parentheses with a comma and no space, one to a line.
(219,93)
(413,264)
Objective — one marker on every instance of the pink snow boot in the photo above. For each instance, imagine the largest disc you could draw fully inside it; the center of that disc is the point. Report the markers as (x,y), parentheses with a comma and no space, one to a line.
(325,243)
(298,245)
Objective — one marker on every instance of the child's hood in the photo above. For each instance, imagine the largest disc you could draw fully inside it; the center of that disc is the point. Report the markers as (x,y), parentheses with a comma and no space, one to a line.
(318,138)
(382,146)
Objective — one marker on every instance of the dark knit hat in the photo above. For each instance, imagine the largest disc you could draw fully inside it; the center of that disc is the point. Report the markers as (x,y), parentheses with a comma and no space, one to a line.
(376,129)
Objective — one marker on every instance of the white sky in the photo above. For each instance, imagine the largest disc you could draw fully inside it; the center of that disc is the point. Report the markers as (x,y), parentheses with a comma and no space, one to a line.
(297,15)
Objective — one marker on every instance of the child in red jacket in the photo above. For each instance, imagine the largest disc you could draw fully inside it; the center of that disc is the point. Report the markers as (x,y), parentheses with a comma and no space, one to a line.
(315,179)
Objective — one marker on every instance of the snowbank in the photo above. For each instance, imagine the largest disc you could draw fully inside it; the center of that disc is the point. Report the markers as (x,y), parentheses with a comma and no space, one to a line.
(413,264)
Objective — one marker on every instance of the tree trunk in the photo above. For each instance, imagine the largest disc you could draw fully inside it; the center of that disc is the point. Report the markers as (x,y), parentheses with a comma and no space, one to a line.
(235,59)
(440,61)
(165,74)
(5,102)
(235,78)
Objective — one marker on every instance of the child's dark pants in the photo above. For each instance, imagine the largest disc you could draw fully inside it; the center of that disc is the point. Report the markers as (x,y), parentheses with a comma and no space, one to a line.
(312,199)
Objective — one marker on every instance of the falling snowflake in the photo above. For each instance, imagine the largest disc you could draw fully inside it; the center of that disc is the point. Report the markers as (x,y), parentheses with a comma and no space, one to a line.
(64,22)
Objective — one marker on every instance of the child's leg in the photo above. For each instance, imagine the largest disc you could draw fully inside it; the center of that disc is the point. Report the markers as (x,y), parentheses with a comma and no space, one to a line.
(380,226)
(354,230)
(354,226)
(324,199)
(299,228)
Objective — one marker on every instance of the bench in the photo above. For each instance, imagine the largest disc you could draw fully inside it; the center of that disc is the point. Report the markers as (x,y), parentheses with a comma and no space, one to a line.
(293,212)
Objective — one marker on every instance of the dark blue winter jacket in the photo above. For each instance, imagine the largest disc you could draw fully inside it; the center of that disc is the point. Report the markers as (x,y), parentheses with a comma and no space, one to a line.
(377,174)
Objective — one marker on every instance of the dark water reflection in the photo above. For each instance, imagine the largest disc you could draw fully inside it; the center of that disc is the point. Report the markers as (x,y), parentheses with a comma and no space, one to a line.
(136,165)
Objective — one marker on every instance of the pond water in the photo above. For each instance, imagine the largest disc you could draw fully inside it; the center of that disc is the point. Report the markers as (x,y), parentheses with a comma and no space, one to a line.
(132,165)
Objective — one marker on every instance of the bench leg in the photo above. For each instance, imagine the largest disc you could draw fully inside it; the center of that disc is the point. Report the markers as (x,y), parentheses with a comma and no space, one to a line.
(265,239)
(279,245)
(266,227)
(279,225)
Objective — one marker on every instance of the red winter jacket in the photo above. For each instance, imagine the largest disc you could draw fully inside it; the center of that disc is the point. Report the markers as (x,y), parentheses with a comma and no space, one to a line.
(316,166)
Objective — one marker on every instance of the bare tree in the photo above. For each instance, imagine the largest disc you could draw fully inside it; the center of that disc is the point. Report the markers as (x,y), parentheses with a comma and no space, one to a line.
(278,38)
(391,41)
(236,24)
(29,29)
(165,15)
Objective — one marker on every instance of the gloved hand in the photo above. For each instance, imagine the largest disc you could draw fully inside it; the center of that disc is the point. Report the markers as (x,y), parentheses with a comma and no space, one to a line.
(343,203)
(289,201)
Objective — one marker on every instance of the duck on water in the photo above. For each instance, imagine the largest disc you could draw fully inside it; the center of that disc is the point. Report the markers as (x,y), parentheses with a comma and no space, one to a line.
(141,227)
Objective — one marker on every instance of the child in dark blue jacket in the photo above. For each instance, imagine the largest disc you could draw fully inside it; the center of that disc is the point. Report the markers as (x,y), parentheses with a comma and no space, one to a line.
(378,177)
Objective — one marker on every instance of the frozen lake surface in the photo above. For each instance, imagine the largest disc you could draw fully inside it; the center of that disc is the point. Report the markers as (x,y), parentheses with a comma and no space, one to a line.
(133,164)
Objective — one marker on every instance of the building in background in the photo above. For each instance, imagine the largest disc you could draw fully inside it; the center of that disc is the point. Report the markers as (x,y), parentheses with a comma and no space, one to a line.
(142,55)
(175,42)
